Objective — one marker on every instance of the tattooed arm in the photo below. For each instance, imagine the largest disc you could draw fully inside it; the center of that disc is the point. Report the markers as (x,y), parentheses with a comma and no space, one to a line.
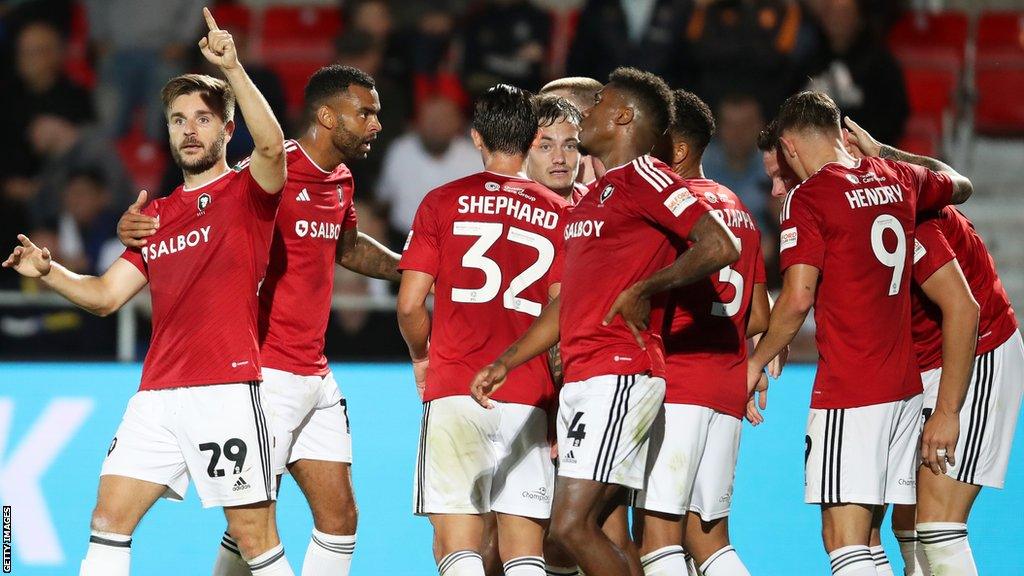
(361,253)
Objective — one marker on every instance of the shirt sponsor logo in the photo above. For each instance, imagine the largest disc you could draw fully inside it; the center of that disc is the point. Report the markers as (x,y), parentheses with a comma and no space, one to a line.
(919,250)
(326,230)
(492,186)
(584,229)
(176,244)
(679,201)
(788,239)
(510,207)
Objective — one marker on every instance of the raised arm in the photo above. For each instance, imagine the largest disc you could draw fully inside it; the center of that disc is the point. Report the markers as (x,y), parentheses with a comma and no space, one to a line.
(948,289)
(363,254)
(868,146)
(99,295)
(268,163)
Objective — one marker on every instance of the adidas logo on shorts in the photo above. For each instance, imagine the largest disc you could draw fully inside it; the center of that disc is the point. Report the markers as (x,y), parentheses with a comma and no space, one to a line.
(240,484)
(570,458)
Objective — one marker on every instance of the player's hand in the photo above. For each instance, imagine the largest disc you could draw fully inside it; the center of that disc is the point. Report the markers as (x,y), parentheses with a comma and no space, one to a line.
(218,46)
(134,227)
(859,138)
(635,309)
(28,259)
(761,389)
(941,431)
(419,373)
(778,363)
(487,382)
(754,373)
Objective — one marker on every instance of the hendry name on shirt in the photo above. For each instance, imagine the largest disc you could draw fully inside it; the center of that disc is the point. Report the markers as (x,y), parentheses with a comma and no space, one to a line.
(866,197)
(510,206)
(176,244)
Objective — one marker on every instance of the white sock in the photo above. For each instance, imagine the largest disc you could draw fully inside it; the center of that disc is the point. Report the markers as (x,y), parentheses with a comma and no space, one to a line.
(882,565)
(915,563)
(461,563)
(561,571)
(229,561)
(108,555)
(667,561)
(271,563)
(725,562)
(328,554)
(525,566)
(852,561)
(945,544)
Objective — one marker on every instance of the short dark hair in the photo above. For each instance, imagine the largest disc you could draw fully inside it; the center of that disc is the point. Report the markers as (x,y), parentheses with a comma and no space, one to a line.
(650,91)
(807,110)
(768,138)
(553,109)
(216,93)
(505,119)
(580,88)
(694,121)
(330,80)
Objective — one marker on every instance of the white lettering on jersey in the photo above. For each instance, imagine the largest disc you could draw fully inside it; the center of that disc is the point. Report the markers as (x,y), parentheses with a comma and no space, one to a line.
(865,197)
(679,201)
(510,207)
(176,244)
(325,230)
(734,218)
(788,239)
(584,228)
(919,250)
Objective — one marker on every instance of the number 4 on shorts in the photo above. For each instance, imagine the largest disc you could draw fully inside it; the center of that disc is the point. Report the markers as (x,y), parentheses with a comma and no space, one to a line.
(577,431)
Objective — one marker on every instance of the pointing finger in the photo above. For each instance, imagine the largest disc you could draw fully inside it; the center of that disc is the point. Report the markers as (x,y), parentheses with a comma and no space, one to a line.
(25,241)
(210,22)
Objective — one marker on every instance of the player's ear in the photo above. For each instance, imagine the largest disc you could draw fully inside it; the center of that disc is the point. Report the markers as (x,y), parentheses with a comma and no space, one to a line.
(229,128)
(325,117)
(680,151)
(478,140)
(625,116)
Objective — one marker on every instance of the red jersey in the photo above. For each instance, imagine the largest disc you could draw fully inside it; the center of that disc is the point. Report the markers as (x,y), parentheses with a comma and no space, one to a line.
(706,322)
(295,299)
(941,237)
(489,241)
(856,226)
(578,192)
(204,266)
(620,233)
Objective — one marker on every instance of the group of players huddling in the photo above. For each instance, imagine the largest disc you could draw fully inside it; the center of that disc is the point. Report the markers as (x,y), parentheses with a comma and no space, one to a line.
(587,350)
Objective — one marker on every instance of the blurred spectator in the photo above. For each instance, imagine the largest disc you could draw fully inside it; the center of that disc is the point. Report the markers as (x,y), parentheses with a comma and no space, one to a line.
(436,152)
(40,88)
(140,44)
(733,159)
(648,34)
(358,49)
(434,71)
(70,149)
(374,18)
(857,69)
(87,224)
(505,41)
(745,46)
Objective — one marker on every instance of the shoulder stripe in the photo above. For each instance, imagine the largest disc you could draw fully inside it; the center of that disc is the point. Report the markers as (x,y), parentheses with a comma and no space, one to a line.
(658,174)
(646,175)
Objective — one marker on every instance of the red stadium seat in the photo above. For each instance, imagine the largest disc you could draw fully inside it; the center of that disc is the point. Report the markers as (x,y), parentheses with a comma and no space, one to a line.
(930,38)
(931,89)
(144,159)
(294,74)
(999,74)
(921,136)
(77,63)
(233,17)
(287,24)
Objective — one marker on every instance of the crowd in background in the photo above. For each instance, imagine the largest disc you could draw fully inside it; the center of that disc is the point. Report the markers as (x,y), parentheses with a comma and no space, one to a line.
(83,128)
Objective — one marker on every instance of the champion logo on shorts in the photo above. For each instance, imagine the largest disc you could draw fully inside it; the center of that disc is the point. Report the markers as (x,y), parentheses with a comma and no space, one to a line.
(240,484)
(538,494)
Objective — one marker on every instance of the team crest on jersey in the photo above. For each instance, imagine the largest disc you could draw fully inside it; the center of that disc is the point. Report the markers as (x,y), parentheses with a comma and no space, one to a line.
(853,179)
(606,194)
(203,202)
(491,186)
(711,197)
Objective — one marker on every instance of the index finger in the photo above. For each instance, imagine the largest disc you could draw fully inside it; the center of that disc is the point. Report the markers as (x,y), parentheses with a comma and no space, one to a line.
(636,334)
(209,19)
(24,241)
(853,126)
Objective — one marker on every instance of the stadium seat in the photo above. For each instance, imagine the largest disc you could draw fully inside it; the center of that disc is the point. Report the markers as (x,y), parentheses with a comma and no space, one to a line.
(999,74)
(144,159)
(285,25)
(931,90)
(921,136)
(294,74)
(233,17)
(930,38)
(77,63)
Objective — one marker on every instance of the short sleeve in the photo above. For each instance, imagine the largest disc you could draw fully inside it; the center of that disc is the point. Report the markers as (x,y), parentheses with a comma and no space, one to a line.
(931,250)
(801,240)
(348,216)
(676,209)
(134,256)
(422,246)
(262,205)
(934,189)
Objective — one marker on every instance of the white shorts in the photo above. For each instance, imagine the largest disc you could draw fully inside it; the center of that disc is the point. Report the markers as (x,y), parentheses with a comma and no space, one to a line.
(473,460)
(988,419)
(218,435)
(691,463)
(864,455)
(310,418)
(604,426)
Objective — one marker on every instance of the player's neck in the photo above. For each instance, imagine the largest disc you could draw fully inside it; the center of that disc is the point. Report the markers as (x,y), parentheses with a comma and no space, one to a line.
(837,154)
(688,170)
(565,192)
(504,164)
(321,150)
(623,151)
(193,181)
